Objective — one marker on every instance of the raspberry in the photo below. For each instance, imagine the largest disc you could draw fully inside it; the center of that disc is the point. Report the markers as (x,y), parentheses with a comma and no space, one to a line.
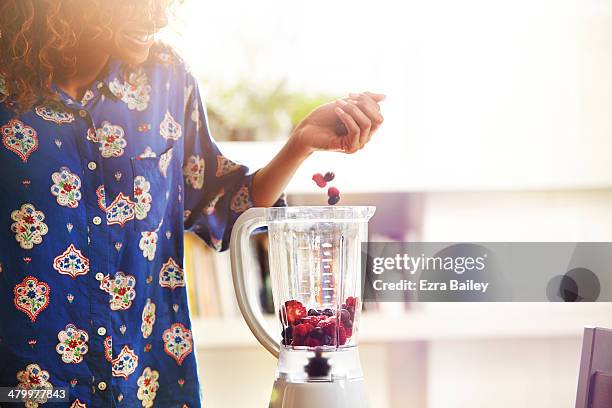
(348,331)
(313,320)
(329,176)
(333,192)
(302,329)
(294,311)
(319,179)
(328,325)
(351,301)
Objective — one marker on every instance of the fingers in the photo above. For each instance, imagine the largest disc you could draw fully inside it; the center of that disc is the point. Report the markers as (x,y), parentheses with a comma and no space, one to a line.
(363,121)
(368,105)
(353,131)
(376,97)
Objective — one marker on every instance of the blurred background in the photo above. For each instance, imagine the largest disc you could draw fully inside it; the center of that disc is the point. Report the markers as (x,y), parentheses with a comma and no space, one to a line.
(498,124)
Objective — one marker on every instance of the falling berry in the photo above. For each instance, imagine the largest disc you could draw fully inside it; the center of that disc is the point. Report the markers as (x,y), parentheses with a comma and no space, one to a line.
(333,191)
(319,179)
(333,200)
(329,176)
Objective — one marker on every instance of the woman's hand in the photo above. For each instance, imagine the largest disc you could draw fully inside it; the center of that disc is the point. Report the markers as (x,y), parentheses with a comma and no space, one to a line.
(358,116)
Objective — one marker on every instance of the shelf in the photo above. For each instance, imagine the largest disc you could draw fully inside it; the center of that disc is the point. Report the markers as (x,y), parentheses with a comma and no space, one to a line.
(438,322)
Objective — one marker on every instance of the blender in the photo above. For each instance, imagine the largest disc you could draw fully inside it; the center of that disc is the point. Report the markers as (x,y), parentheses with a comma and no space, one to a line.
(315,270)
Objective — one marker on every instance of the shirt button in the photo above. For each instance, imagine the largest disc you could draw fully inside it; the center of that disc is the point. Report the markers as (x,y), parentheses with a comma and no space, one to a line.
(97,220)
(99,276)
(101,385)
(92,166)
(101,331)
(82,113)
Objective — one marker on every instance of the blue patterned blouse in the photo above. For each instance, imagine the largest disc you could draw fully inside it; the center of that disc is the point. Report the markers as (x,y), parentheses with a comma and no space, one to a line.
(94,199)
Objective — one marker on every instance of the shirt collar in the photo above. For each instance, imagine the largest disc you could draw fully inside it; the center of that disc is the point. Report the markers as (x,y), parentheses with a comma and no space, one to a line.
(100,86)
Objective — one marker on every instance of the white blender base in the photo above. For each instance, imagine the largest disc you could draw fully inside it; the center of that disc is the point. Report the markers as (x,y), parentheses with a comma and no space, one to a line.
(337,394)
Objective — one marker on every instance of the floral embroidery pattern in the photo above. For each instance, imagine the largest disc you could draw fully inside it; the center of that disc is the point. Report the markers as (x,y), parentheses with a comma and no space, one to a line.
(148,152)
(148,244)
(241,201)
(210,207)
(120,289)
(111,139)
(34,378)
(78,404)
(71,262)
(66,187)
(225,166)
(147,387)
(194,171)
(101,197)
(171,275)
(142,196)
(120,211)
(87,96)
(148,319)
(125,363)
(108,348)
(177,342)
(170,128)
(53,112)
(164,162)
(135,92)
(28,227)
(31,296)
(19,138)
(72,344)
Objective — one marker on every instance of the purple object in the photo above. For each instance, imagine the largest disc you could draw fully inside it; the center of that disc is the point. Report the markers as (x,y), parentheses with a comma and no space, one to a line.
(595,379)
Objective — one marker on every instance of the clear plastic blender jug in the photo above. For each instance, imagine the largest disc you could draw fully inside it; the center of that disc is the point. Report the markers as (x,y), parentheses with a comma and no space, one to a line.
(315,268)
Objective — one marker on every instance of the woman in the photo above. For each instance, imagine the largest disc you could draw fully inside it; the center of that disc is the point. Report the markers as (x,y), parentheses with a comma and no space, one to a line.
(106,158)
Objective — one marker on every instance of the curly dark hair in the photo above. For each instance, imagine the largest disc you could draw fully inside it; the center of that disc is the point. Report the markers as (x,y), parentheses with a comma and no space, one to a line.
(37,39)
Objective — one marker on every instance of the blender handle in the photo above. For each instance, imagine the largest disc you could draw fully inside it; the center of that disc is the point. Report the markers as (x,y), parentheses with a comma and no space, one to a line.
(240,253)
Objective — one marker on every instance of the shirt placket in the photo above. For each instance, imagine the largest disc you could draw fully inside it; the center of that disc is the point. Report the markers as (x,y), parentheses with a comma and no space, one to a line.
(99,260)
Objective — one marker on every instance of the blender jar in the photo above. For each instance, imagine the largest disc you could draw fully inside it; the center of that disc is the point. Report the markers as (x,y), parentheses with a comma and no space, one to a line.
(315,269)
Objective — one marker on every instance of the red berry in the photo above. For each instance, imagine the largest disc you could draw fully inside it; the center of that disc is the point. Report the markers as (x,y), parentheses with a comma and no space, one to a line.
(329,176)
(294,311)
(348,331)
(302,330)
(328,325)
(333,192)
(341,335)
(298,341)
(313,342)
(345,318)
(314,320)
(319,179)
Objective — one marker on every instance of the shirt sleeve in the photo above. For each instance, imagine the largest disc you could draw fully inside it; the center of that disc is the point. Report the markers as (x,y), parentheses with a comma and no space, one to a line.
(217,189)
